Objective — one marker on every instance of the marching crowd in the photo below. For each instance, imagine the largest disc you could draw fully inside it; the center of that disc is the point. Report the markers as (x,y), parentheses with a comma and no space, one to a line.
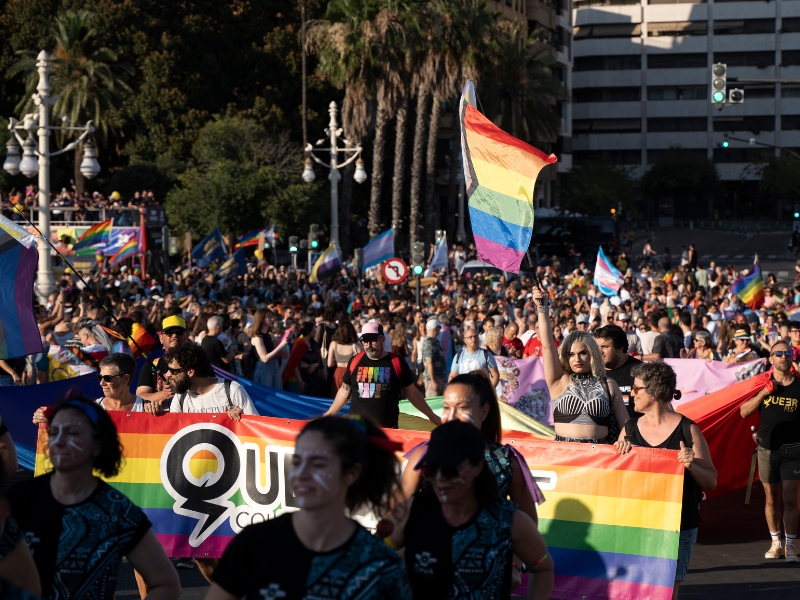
(465,498)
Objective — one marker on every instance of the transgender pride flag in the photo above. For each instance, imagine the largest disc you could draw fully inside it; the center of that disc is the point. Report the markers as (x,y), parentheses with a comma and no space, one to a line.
(607,277)
(379,249)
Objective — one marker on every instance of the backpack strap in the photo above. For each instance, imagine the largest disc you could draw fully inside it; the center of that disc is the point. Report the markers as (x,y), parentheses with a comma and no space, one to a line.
(396,364)
(180,401)
(355,360)
(486,356)
(629,429)
(455,361)
(227,385)
(686,428)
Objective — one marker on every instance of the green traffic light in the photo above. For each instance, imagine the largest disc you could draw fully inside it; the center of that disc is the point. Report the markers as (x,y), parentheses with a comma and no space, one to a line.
(719,96)
(797,215)
(292,248)
(725,144)
(418,269)
(314,244)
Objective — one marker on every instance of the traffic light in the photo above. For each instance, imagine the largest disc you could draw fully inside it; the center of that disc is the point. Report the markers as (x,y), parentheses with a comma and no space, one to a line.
(719,83)
(724,143)
(418,258)
(293,243)
(303,244)
(313,236)
(439,236)
(736,96)
(359,260)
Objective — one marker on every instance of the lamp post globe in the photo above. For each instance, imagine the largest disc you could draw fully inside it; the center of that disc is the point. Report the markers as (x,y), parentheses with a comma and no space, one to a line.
(11,163)
(308,172)
(360,176)
(89,168)
(29,165)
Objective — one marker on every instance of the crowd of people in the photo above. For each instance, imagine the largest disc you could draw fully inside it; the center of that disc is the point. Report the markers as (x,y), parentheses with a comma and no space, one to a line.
(603,369)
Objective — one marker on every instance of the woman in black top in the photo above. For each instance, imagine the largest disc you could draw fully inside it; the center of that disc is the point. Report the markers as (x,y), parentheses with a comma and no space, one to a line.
(661,427)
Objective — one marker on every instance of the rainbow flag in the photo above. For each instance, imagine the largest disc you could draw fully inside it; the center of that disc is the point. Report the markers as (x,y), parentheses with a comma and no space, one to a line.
(96,234)
(19,334)
(127,251)
(500,172)
(750,289)
(611,522)
(248,239)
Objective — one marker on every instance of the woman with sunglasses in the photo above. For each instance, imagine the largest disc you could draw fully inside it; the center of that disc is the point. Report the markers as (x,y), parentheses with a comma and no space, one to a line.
(115,375)
(654,388)
(456,517)
(69,515)
(584,399)
(471,398)
(703,348)
(340,467)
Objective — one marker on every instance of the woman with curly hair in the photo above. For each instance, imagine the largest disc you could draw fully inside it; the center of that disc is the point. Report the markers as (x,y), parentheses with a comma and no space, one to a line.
(70,514)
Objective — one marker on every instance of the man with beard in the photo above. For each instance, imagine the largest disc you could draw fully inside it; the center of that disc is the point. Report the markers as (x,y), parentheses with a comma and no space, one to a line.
(613,343)
(152,385)
(197,390)
(374,381)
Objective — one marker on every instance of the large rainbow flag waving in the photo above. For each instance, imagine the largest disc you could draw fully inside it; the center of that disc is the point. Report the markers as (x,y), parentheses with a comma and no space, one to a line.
(500,172)
(750,288)
(96,234)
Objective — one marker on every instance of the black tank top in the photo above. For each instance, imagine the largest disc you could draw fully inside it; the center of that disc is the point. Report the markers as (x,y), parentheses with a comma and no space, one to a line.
(470,561)
(692,493)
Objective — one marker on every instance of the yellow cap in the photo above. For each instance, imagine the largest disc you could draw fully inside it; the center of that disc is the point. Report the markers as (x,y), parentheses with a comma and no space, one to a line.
(173,321)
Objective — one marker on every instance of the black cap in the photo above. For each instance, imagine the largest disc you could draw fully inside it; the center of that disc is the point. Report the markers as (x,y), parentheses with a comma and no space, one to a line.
(454,442)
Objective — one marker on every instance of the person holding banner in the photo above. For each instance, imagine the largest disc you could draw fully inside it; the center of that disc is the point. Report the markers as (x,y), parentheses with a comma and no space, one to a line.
(69,514)
(584,398)
(341,466)
(654,388)
(458,517)
(152,385)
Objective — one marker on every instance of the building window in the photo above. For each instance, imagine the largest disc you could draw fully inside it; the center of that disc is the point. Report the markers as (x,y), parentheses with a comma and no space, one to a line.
(755,91)
(676,28)
(607,94)
(588,3)
(655,125)
(790,57)
(676,1)
(615,157)
(790,122)
(677,61)
(746,59)
(653,156)
(790,91)
(608,63)
(790,24)
(742,155)
(686,92)
(744,27)
(613,30)
(755,124)
(586,126)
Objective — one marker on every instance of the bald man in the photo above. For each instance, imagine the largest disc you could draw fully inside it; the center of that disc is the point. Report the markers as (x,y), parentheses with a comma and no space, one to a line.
(667,344)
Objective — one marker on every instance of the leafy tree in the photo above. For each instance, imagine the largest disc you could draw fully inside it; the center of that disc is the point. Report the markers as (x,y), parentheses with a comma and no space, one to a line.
(242,177)
(686,179)
(780,180)
(596,186)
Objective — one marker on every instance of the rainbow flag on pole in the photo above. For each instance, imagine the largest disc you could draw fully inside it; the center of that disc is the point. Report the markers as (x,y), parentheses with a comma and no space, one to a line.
(96,234)
(500,172)
(248,239)
(750,289)
(127,251)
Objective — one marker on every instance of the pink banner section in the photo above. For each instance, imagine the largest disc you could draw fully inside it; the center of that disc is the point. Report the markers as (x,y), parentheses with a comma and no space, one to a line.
(522,383)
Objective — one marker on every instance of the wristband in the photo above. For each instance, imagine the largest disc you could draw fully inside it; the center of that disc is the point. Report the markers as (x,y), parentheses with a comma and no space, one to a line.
(541,560)
(388,541)
(543,309)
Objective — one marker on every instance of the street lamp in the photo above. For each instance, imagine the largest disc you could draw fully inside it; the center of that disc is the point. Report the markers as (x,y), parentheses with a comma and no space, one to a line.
(37,160)
(334,133)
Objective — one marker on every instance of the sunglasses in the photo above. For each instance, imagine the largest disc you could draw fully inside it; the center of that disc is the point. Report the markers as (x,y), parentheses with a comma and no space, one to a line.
(107,378)
(782,353)
(175,371)
(636,389)
(432,471)
(171,332)
(369,341)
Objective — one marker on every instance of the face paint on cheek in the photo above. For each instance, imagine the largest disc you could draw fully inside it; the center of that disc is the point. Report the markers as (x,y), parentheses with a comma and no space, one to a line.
(74,445)
(320,479)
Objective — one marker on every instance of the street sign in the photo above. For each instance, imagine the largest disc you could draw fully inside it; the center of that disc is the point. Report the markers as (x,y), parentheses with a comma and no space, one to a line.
(395,270)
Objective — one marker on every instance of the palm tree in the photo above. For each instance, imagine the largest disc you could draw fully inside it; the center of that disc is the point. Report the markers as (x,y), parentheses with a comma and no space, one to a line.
(520,90)
(88,78)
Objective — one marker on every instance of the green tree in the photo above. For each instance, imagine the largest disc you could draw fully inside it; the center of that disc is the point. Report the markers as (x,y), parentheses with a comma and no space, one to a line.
(596,186)
(780,181)
(87,77)
(684,179)
(242,177)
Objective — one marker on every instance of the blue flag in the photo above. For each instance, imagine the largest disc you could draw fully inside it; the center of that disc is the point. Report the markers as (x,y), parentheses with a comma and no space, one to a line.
(210,249)
(235,265)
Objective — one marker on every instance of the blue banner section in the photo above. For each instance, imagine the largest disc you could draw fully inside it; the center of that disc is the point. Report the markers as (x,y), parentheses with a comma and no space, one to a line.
(210,249)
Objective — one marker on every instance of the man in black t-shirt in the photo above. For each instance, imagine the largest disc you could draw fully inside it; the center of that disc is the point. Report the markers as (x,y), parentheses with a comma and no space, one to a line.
(779,449)
(217,355)
(613,342)
(374,381)
(152,386)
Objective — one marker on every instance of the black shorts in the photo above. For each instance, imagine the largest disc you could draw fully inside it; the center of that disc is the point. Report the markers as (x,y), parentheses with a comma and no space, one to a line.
(779,465)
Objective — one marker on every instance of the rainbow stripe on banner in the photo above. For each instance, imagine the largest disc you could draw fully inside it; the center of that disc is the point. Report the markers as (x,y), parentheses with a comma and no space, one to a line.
(248,239)
(96,234)
(611,522)
(500,172)
(750,289)
(127,251)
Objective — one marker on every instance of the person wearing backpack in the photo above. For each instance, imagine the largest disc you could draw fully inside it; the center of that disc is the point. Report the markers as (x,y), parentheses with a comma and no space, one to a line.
(472,358)
(374,382)
(661,427)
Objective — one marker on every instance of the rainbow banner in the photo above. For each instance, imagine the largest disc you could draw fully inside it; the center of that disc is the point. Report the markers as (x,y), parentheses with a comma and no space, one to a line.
(127,251)
(611,521)
(248,239)
(96,234)
(750,289)
(500,172)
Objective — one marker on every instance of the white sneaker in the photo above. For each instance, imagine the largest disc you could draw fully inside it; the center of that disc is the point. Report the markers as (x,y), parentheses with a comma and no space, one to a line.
(775,550)
(791,553)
